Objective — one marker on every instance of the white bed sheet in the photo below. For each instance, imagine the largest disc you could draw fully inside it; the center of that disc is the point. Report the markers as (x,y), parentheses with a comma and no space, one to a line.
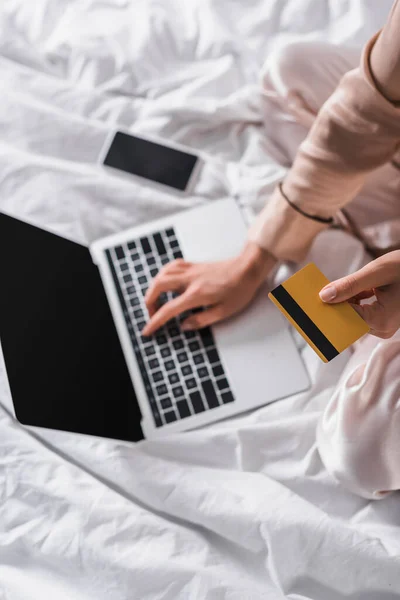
(240,510)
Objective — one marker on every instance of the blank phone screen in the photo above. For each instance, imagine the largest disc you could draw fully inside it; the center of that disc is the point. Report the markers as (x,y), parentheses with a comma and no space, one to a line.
(150,160)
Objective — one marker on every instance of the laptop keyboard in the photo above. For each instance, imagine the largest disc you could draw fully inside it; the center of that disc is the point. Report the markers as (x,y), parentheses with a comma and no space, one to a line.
(181,370)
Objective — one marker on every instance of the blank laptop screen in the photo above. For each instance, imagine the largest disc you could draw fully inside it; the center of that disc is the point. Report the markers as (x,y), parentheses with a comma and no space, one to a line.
(63,358)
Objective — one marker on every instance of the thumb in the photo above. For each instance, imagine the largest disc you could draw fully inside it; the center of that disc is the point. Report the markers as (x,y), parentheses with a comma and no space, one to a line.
(378,273)
(348,287)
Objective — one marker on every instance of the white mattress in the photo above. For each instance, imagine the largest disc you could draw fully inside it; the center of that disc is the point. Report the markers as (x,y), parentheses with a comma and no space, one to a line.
(240,510)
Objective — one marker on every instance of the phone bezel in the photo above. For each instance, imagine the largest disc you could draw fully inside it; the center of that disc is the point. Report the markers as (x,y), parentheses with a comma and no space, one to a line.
(193,177)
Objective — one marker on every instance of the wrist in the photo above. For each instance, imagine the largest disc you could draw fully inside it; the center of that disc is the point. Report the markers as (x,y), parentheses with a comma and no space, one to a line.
(255,261)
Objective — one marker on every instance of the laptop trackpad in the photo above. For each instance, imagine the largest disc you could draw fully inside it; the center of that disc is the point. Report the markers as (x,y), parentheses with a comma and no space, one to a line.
(260,355)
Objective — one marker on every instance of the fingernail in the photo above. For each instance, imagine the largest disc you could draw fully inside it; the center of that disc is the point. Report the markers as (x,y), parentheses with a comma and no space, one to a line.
(186,327)
(328,293)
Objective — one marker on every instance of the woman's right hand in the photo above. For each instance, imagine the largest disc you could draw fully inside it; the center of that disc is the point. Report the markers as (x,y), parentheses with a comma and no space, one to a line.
(223,287)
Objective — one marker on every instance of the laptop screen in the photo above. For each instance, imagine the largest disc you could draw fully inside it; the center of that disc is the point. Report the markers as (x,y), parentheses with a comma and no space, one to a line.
(64,362)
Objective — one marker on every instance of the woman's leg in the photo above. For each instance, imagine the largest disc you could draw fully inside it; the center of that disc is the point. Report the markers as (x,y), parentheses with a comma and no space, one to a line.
(358,433)
(297,79)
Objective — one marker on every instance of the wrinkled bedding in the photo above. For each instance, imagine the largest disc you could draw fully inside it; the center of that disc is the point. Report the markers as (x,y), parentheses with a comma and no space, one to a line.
(240,510)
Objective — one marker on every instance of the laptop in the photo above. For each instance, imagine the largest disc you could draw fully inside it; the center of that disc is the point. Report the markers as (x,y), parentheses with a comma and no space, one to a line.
(70,328)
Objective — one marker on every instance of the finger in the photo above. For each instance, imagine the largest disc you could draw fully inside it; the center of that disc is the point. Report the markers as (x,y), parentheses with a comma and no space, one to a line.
(205,318)
(363,312)
(159,285)
(375,274)
(384,335)
(170,310)
(364,295)
(374,315)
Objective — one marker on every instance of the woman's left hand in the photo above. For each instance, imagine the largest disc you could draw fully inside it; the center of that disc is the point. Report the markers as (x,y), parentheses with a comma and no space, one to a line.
(380,278)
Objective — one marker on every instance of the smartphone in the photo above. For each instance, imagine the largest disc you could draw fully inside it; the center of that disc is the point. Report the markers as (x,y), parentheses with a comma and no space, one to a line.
(167,165)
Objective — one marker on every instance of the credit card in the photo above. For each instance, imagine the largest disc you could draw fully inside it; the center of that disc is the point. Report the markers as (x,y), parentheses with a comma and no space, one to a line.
(327,328)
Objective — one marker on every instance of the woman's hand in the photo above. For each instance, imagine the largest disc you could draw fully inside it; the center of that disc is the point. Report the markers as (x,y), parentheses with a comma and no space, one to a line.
(379,279)
(223,287)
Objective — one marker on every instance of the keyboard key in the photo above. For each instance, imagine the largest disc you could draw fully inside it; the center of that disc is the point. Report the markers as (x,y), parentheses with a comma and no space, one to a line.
(182,357)
(222,384)
(193,346)
(213,356)
(138,314)
(178,391)
(130,289)
(202,372)
(198,359)
(218,370)
(124,267)
(183,409)
(190,383)
(135,256)
(165,260)
(140,325)
(174,244)
(227,397)
(161,339)
(178,344)
(127,278)
(197,402)
(165,352)
(189,334)
(138,268)
(153,272)
(163,299)
(166,403)
(161,389)
(187,370)
(178,254)
(146,245)
(150,260)
(119,251)
(170,416)
(150,350)
(170,232)
(173,330)
(157,376)
(142,279)
(169,365)
(207,337)
(209,393)
(131,245)
(134,301)
(159,244)
(173,378)
(154,363)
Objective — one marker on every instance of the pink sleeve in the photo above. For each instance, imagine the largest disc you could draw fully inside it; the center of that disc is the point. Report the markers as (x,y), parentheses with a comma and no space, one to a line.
(356,131)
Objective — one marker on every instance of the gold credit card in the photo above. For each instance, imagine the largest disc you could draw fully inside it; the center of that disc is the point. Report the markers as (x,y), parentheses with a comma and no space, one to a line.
(327,328)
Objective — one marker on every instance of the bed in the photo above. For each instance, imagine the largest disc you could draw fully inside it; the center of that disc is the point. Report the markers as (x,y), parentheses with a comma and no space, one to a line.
(243,509)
